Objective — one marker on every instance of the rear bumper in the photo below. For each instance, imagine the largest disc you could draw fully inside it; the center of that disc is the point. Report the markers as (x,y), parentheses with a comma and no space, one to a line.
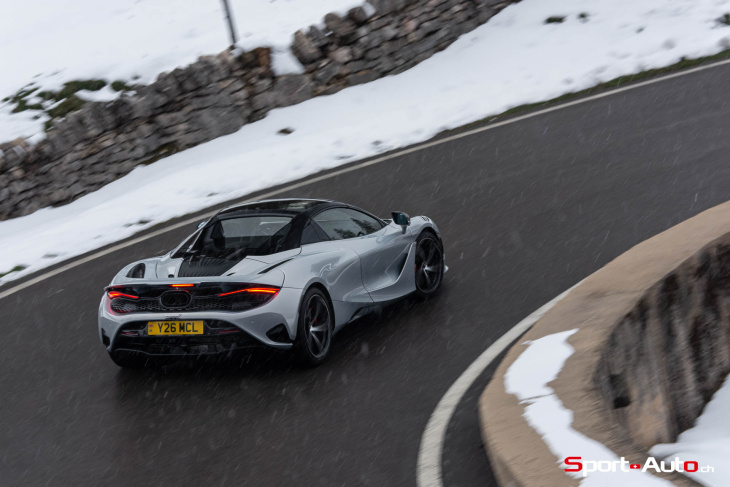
(212,342)
(257,327)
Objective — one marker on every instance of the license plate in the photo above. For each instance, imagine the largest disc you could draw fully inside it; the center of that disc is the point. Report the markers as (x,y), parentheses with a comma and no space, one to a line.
(174,327)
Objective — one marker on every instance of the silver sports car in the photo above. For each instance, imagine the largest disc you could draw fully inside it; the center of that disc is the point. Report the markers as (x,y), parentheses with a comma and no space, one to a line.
(284,273)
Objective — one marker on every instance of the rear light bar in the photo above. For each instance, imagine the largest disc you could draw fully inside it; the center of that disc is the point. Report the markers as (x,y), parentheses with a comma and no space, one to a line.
(199,291)
(116,294)
(252,290)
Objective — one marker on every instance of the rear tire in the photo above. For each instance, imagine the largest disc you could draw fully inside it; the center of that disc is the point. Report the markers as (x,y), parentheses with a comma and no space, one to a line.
(429,265)
(314,328)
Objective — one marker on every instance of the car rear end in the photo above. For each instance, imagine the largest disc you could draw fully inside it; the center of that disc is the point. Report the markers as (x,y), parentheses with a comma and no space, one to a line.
(184,319)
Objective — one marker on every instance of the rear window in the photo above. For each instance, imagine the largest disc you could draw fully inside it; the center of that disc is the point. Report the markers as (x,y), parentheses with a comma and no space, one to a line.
(249,235)
(253,226)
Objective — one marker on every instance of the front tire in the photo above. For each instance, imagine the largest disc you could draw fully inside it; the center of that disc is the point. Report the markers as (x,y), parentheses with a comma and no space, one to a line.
(314,329)
(429,265)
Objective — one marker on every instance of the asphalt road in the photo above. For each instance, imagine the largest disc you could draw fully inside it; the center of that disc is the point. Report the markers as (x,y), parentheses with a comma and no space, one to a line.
(527,210)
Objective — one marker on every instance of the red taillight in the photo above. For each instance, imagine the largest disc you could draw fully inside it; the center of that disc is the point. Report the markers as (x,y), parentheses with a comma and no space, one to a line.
(182,285)
(116,294)
(252,290)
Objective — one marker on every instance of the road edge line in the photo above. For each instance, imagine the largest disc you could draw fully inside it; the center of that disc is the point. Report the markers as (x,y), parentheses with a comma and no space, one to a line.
(430,451)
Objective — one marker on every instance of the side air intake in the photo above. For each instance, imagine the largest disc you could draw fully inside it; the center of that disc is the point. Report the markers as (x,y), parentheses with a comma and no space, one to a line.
(137,272)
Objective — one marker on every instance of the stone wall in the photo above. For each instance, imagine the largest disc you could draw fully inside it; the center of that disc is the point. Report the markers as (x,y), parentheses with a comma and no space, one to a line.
(218,94)
(652,346)
(671,352)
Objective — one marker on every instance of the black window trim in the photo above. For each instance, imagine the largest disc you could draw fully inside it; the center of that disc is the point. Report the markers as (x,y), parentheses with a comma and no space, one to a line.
(321,234)
(349,207)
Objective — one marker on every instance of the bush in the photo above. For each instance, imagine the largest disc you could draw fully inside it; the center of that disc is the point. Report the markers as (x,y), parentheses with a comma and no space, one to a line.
(67,106)
(120,86)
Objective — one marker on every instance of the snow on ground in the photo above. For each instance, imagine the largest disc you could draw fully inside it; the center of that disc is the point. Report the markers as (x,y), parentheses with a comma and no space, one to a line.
(104,94)
(528,378)
(514,59)
(707,442)
(51,42)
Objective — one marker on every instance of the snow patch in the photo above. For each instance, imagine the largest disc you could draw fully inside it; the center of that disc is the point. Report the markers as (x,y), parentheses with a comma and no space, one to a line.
(707,442)
(104,94)
(528,378)
(284,62)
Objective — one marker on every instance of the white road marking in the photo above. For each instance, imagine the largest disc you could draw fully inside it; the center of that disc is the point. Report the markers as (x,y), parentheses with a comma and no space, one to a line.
(356,167)
(428,470)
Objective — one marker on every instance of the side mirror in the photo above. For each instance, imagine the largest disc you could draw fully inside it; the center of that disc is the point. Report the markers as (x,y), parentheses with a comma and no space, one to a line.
(400,218)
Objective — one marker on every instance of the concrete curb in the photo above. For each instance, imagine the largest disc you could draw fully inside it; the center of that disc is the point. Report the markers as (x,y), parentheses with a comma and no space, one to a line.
(652,347)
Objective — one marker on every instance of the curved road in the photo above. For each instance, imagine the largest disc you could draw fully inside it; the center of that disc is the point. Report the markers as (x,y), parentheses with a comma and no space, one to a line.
(527,209)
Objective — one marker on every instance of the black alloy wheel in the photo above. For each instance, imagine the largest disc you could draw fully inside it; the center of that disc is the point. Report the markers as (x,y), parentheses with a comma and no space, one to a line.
(429,265)
(315,328)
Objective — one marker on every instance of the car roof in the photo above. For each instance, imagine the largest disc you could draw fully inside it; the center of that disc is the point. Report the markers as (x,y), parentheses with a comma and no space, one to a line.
(300,210)
(286,205)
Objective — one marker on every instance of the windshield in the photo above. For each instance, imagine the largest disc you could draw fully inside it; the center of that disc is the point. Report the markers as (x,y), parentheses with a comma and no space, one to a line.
(236,237)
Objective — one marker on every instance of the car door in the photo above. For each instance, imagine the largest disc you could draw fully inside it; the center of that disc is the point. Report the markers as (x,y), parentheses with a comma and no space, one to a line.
(382,247)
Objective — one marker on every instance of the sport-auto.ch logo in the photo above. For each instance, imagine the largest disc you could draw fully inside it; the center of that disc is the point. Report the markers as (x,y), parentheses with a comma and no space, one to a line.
(577,464)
